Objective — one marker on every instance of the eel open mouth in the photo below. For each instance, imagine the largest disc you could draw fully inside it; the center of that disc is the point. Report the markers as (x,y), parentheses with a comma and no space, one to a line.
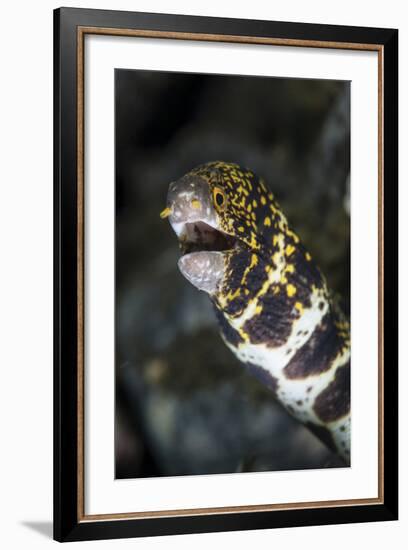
(203,253)
(203,245)
(199,236)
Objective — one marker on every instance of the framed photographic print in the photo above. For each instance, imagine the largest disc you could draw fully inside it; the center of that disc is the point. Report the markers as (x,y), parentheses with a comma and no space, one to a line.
(225,274)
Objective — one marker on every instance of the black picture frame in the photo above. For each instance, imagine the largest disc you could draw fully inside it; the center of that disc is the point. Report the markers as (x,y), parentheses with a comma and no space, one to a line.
(69,524)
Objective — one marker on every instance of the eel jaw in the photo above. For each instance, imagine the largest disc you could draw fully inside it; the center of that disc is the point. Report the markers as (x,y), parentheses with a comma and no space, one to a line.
(204,249)
(205,270)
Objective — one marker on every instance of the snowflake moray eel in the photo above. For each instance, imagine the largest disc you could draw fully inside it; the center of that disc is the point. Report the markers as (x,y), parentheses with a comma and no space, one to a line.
(272,303)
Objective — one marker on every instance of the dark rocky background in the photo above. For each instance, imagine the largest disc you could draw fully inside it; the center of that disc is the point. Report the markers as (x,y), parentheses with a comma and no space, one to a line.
(184,404)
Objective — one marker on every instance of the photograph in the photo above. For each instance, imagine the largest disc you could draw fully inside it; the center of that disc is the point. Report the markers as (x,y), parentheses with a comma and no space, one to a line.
(232,274)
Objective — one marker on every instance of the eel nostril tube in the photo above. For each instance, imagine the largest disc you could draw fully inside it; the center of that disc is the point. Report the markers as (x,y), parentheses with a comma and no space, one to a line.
(165,213)
(196,204)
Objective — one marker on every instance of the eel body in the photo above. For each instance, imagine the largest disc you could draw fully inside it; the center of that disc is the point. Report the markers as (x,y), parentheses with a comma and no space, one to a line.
(272,303)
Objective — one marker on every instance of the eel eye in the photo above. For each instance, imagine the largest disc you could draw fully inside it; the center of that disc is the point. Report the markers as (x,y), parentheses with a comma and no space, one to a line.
(219,198)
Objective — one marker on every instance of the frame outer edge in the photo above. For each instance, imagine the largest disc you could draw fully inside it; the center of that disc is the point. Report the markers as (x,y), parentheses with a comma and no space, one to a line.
(66,523)
(390,325)
(65,283)
(56,305)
